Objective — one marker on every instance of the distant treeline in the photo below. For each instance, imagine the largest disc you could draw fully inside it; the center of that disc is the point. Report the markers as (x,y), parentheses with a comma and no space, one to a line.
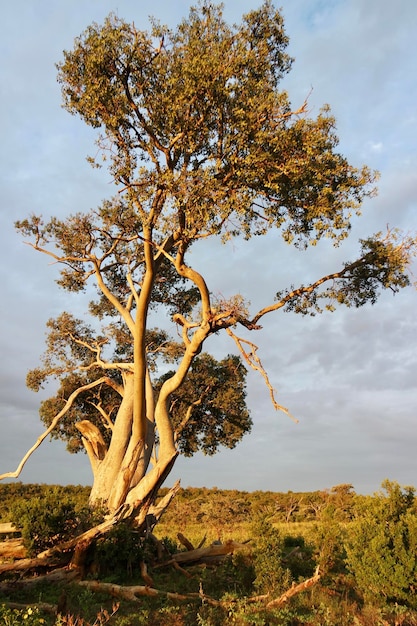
(204,505)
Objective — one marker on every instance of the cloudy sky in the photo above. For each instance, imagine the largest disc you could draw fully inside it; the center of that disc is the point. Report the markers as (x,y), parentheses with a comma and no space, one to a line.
(349,377)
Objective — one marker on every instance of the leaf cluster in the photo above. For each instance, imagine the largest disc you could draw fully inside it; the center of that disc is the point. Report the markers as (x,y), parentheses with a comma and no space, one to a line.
(210,410)
(200,120)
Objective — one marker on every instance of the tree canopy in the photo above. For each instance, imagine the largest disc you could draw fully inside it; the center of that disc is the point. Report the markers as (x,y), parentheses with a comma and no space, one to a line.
(201,142)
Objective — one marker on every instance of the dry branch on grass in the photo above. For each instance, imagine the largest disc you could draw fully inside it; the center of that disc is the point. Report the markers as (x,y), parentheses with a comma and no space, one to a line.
(131,592)
(294,590)
(192,556)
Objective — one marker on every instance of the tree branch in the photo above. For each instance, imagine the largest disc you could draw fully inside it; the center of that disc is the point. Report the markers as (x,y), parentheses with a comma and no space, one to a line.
(294,590)
(255,363)
(54,422)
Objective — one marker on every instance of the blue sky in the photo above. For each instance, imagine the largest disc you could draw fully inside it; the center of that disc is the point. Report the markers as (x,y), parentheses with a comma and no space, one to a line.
(349,377)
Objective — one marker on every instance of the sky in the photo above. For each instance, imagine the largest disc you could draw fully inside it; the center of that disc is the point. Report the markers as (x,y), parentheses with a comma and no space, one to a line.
(349,377)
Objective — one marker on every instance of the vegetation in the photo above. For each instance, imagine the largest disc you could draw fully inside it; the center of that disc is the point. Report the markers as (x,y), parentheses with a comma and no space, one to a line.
(366,562)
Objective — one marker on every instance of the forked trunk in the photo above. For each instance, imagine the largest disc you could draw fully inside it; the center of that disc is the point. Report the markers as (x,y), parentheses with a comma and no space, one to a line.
(126,461)
(123,475)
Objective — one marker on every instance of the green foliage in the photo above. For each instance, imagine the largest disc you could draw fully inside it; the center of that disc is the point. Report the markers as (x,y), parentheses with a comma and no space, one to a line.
(381,547)
(50,519)
(298,556)
(271,576)
(233,577)
(328,538)
(18,492)
(18,617)
(121,551)
(220,135)
(209,410)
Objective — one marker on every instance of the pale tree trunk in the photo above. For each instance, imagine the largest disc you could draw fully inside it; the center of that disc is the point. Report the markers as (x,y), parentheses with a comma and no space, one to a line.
(106,471)
(122,475)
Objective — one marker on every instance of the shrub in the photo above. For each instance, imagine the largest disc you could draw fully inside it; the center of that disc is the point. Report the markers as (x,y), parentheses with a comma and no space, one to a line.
(48,520)
(382,547)
(18,617)
(120,552)
(270,575)
(330,554)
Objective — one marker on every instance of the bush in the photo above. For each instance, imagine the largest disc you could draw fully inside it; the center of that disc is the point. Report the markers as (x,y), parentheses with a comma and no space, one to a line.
(298,557)
(46,521)
(381,547)
(328,536)
(121,551)
(270,575)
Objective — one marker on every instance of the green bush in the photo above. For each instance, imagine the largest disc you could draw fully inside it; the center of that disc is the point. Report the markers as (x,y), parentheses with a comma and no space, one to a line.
(270,574)
(121,551)
(46,521)
(381,547)
(298,556)
(328,537)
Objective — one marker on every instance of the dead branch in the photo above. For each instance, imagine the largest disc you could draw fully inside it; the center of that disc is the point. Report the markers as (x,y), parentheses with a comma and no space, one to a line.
(294,590)
(185,542)
(129,593)
(144,573)
(253,360)
(93,441)
(204,554)
(61,575)
(8,527)
(181,570)
(50,428)
(12,549)
(132,593)
(25,565)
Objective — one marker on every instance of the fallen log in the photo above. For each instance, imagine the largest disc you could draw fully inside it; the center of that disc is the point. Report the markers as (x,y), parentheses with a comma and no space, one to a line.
(294,590)
(203,554)
(61,575)
(12,549)
(131,592)
(23,565)
(7,528)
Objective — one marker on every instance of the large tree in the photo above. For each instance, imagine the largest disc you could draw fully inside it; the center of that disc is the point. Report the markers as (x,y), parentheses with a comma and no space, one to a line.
(201,143)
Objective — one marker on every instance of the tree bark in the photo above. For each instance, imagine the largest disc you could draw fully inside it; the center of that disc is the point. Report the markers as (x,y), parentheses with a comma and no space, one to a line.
(108,469)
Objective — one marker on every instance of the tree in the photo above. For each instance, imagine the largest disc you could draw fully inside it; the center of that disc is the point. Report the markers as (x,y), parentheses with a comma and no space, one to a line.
(201,142)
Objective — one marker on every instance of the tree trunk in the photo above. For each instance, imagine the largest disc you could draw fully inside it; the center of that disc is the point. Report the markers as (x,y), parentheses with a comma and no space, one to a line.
(108,469)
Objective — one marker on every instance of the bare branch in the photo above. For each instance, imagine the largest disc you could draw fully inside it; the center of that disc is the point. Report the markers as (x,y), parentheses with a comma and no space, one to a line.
(54,422)
(294,590)
(255,363)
